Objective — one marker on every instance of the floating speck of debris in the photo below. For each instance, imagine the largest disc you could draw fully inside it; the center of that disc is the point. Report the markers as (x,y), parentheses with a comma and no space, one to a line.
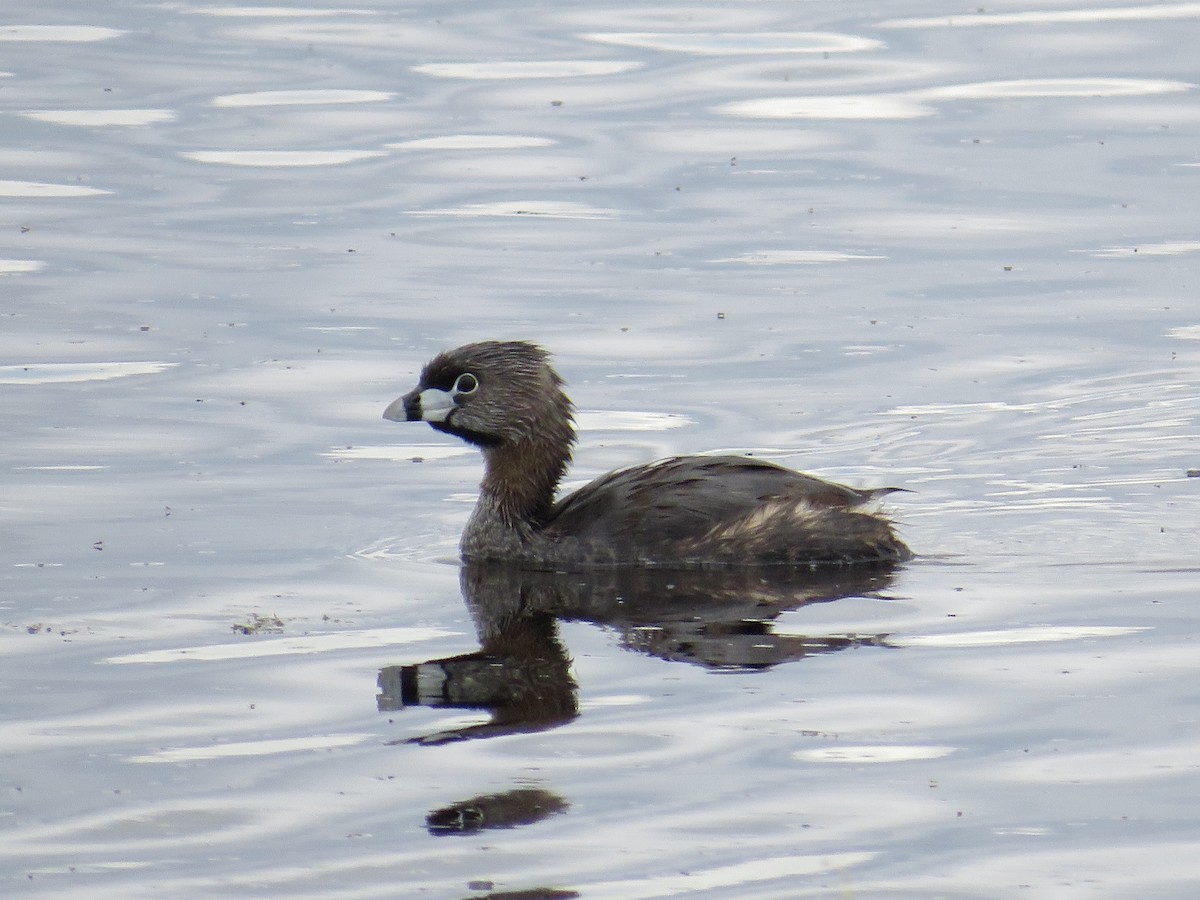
(259,624)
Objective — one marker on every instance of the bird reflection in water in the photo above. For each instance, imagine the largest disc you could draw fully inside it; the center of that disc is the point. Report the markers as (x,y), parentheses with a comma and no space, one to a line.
(522,806)
(719,619)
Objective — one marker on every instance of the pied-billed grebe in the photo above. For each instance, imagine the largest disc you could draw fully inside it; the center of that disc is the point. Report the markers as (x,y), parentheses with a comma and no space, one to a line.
(683,512)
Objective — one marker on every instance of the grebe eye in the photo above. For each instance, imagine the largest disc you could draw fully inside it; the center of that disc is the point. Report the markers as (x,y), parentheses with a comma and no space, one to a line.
(465,383)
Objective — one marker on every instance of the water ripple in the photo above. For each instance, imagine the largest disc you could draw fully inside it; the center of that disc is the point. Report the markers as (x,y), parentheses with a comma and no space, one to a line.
(550,68)
(312,643)
(545,209)
(234,749)
(1163,248)
(1033,634)
(80,34)
(42,189)
(1055,87)
(916,103)
(20,266)
(100,118)
(1148,11)
(846,106)
(740,43)
(270,12)
(299,98)
(873,753)
(59,373)
(280,158)
(474,142)
(794,257)
(739,875)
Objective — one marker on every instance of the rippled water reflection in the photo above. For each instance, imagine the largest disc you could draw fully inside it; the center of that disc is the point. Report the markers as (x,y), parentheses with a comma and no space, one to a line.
(940,247)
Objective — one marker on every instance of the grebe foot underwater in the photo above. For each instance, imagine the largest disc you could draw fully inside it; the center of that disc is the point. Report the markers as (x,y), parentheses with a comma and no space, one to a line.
(682,512)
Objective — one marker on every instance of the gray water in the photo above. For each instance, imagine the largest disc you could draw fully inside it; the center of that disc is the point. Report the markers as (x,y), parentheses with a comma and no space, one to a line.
(948,248)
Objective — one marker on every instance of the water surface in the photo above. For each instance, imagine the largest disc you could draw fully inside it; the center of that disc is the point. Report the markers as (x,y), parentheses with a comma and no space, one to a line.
(913,244)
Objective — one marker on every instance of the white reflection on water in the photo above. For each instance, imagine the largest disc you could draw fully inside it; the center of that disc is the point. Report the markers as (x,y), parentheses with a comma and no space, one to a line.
(1034,634)
(399,452)
(1051,16)
(329,30)
(474,142)
(738,42)
(1055,87)
(58,373)
(628,420)
(550,68)
(280,158)
(80,468)
(43,189)
(99,118)
(1119,764)
(916,103)
(267,12)
(313,643)
(846,106)
(1164,248)
(548,209)
(299,98)
(794,257)
(740,875)
(80,34)
(20,266)
(1153,395)
(873,753)
(236,749)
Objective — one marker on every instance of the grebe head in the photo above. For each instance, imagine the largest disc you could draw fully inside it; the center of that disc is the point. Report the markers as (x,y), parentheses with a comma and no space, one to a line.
(491,394)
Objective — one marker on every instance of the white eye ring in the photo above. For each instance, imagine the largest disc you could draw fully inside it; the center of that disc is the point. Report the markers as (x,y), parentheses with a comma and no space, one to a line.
(466,383)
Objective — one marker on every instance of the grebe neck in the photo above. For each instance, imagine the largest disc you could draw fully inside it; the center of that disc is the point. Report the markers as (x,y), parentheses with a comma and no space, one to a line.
(520,479)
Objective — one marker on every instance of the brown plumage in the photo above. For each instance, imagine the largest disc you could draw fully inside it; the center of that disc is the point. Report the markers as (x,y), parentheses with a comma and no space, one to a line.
(683,512)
